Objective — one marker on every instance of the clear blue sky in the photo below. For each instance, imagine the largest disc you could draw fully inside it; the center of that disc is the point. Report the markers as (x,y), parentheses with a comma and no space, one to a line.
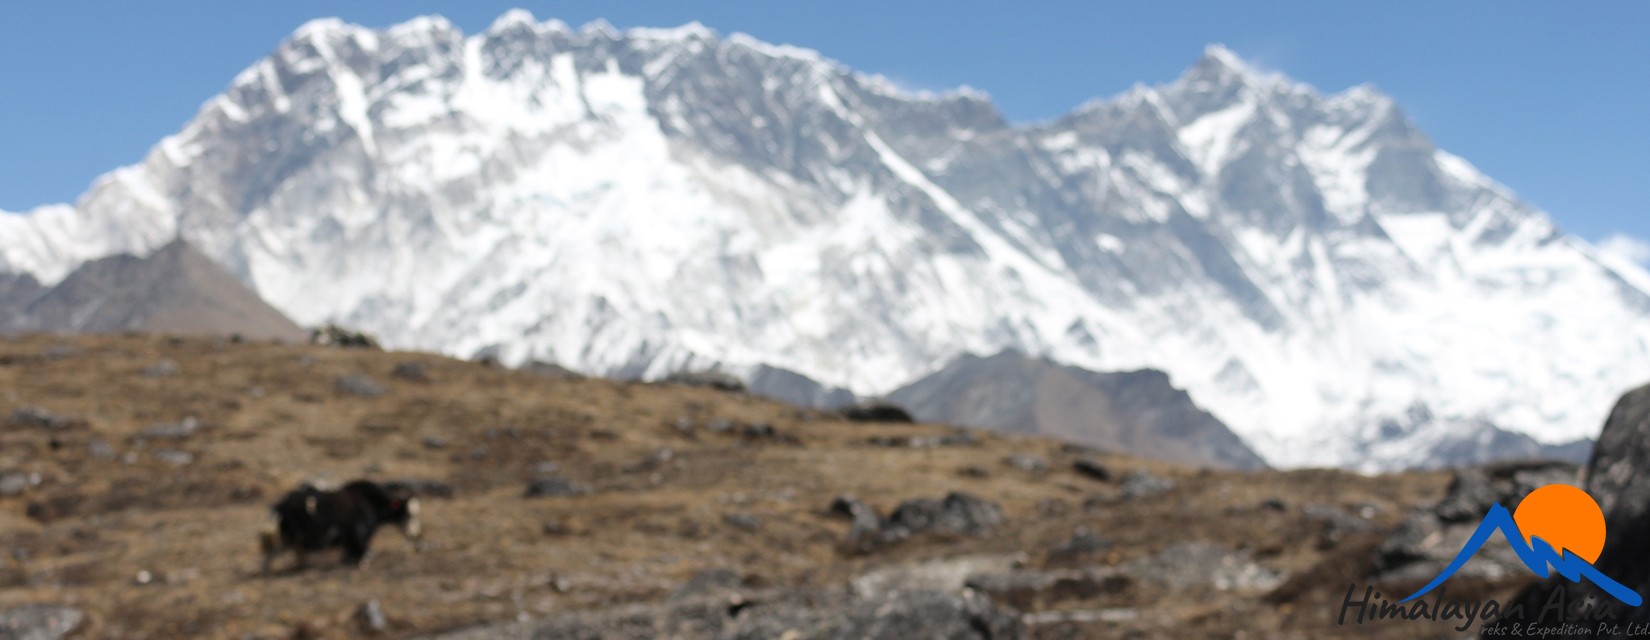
(1552,99)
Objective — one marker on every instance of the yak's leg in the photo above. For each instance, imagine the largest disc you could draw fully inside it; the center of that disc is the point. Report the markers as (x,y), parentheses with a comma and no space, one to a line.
(268,563)
(356,543)
(270,543)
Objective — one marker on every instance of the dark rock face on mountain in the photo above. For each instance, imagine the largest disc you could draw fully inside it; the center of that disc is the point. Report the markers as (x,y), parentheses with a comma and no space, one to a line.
(1493,443)
(176,289)
(16,290)
(789,386)
(1618,477)
(1138,412)
(1475,442)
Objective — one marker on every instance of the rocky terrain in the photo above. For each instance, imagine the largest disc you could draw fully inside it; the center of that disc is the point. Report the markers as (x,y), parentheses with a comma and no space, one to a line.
(135,471)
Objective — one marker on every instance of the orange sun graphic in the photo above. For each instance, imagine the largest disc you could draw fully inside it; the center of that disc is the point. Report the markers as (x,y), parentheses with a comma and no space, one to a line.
(1566,517)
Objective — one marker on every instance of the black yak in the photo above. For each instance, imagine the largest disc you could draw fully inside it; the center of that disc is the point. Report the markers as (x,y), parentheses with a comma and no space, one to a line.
(310,519)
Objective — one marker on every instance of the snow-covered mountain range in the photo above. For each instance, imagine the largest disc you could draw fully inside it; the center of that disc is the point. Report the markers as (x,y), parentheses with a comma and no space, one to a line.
(1309,266)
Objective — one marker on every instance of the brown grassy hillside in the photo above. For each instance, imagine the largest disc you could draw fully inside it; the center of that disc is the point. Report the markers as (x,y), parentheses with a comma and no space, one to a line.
(154,535)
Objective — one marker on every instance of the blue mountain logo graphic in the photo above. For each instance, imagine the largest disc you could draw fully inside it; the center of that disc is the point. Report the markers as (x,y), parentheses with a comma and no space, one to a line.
(1538,556)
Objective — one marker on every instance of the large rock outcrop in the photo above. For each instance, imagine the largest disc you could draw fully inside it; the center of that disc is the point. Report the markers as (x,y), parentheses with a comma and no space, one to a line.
(1618,477)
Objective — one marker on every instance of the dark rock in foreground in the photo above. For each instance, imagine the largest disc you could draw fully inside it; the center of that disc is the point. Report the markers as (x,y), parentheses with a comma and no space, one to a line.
(1429,538)
(867,523)
(957,513)
(1618,477)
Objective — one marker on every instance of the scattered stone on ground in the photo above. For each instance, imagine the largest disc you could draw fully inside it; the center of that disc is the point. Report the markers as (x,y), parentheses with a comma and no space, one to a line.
(958,438)
(946,574)
(876,411)
(101,450)
(709,582)
(333,335)
(162,369)
(422,487)
(360,385)
(718,380)
(370,617)
(957,513)
(779,614)
(555,487)
(1198,563)
(16,482)
(180,430)
(40,622)
(866,522)
(1026,589)
(174,457)
(743,521)
(1027,462)
(1092,468)
(1429,537)
(411,372)
(1082,544)
(1138,485)
(39,418)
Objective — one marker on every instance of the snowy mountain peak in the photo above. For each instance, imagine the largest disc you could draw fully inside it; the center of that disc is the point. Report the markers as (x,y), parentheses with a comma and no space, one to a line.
(514,19)
(690,31)
(1312,269)
(1364,96)
(435,25)
(1220,71)
(599,28)
(1220,63)
(321,28)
